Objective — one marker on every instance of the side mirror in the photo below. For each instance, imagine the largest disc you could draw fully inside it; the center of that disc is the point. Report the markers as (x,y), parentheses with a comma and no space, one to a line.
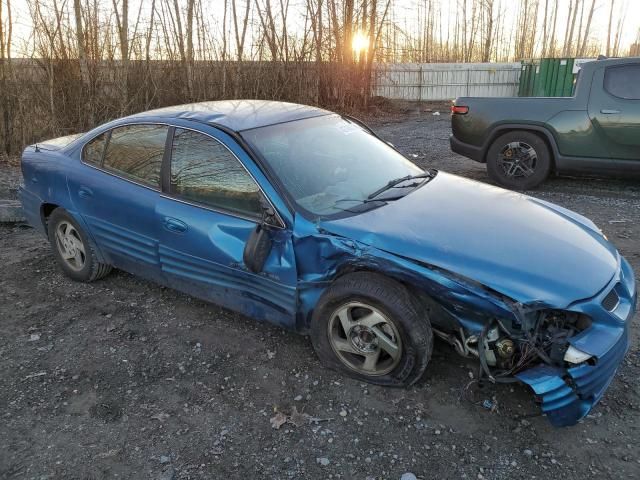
(257,249)
(260,242)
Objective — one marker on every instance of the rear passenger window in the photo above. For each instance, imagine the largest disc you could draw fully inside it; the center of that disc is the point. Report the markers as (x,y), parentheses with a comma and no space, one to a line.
(623,81)
(205,171)
(92,153)
(136,151)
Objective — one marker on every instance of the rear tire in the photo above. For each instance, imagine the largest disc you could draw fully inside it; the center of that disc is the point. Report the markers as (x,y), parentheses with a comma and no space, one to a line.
(518,160)
(73,249)
(369,327)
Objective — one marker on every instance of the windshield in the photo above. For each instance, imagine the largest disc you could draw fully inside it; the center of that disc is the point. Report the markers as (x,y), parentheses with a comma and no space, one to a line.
(330,165)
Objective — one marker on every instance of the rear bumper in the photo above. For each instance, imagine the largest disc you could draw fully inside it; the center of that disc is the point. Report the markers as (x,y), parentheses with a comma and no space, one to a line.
(471,151)
(566,395)
(31,208)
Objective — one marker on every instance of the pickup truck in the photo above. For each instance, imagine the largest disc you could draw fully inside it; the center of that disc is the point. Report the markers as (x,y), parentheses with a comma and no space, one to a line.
(523,140)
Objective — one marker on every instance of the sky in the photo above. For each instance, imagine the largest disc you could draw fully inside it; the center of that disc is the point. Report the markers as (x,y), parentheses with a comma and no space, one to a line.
(404,14)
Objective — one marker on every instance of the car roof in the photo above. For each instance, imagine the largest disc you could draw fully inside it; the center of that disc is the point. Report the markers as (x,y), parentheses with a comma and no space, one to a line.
(237,115)
(609,62)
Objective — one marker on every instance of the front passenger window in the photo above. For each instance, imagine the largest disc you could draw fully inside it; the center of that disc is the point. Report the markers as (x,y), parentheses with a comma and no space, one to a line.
(204,171)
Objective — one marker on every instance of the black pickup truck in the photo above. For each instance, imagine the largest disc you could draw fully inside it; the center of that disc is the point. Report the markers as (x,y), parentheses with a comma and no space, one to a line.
(524,140)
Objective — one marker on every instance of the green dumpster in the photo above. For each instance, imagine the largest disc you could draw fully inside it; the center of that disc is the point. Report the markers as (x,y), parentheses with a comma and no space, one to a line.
(547,77)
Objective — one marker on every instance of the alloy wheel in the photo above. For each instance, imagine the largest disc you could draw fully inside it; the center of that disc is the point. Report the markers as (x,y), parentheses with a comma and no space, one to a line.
(364,339)
(517,160)
(70,246)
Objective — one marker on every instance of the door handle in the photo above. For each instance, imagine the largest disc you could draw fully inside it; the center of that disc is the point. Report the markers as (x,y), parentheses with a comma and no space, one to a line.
(606,111)
(174,225)
(85,192)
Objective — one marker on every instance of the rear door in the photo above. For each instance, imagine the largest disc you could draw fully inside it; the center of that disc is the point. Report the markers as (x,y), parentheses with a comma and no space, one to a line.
(116,188)
(210,206)
(614,108)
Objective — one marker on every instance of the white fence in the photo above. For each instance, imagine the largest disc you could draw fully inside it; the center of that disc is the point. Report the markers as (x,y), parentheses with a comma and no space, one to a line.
(445,81)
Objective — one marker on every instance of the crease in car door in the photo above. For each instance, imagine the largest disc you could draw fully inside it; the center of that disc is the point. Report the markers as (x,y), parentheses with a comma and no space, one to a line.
(116,193)
(211,207)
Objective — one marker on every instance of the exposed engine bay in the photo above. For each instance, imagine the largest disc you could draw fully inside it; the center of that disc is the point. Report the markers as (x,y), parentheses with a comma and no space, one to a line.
(504,352)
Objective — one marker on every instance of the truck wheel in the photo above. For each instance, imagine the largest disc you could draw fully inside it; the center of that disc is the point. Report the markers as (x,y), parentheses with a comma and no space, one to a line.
(370,328)
(73,249)
(518,160)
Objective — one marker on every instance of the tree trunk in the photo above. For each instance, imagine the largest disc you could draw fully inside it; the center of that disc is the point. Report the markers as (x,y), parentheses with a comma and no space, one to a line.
(488,30)
(82,57)
(147,55)
(4,100)
(347,54)
(609,28)
(544,28)
(189,53)
(585,37)
(552,42)
(122,23)
(569,42)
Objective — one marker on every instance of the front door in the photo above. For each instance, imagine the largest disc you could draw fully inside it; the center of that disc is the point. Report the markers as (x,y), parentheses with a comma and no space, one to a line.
(115,189)
(210,207)
(614,108)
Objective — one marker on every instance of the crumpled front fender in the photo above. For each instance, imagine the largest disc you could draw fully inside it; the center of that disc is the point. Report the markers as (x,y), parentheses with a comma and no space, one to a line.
(567,395)
(321,257)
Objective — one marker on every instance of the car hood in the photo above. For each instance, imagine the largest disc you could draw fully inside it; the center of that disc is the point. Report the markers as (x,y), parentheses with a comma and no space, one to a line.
(522,247)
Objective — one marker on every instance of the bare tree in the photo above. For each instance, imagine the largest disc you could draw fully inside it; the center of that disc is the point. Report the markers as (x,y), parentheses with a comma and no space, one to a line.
(122,22)
(585,37)
(609,27)
(189,51)
(552,43)
(5,60)
(240,34)
(544,27)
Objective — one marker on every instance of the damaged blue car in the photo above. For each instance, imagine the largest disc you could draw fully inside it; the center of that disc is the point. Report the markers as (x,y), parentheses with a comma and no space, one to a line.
(306,219)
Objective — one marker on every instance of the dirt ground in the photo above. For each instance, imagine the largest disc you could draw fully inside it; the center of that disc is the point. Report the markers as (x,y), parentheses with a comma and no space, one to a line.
(125,379)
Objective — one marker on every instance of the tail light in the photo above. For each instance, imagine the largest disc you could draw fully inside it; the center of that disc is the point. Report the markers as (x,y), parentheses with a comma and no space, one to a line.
(459,110)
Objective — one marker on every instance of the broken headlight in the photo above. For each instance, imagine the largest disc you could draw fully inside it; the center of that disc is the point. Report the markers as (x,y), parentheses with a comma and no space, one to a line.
(576,356)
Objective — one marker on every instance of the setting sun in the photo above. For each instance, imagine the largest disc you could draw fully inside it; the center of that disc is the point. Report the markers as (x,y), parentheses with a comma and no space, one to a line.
(360,42)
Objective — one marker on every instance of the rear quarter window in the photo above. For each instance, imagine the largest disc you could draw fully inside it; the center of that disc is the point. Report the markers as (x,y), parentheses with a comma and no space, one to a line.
(93,150)
(623,81)
(135,152)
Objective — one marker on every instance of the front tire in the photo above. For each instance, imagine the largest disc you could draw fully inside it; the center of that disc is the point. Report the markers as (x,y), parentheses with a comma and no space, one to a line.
(73,249)
(518,160)
(369,327)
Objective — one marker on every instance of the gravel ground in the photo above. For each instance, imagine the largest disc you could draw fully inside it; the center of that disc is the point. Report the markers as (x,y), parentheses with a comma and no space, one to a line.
(122,378)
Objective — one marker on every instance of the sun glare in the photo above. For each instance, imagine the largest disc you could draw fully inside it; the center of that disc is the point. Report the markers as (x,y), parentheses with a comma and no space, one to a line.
(360,42)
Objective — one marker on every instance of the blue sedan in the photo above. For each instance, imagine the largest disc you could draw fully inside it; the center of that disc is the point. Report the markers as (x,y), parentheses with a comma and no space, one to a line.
(306,219)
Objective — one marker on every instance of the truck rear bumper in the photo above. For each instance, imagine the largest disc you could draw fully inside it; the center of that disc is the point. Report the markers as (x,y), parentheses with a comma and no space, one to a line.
(471,151)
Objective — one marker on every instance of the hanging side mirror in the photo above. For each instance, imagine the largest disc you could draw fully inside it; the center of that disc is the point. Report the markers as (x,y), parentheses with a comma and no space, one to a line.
(257,249)
(259,243)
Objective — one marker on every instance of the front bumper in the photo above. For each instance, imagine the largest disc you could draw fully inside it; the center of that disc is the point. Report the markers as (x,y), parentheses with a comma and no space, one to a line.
(568,394)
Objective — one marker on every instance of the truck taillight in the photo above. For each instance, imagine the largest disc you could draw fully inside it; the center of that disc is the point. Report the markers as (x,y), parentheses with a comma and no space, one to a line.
(459,109)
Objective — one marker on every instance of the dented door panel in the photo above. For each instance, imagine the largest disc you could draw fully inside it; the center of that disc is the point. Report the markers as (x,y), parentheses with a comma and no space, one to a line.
(205,260)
